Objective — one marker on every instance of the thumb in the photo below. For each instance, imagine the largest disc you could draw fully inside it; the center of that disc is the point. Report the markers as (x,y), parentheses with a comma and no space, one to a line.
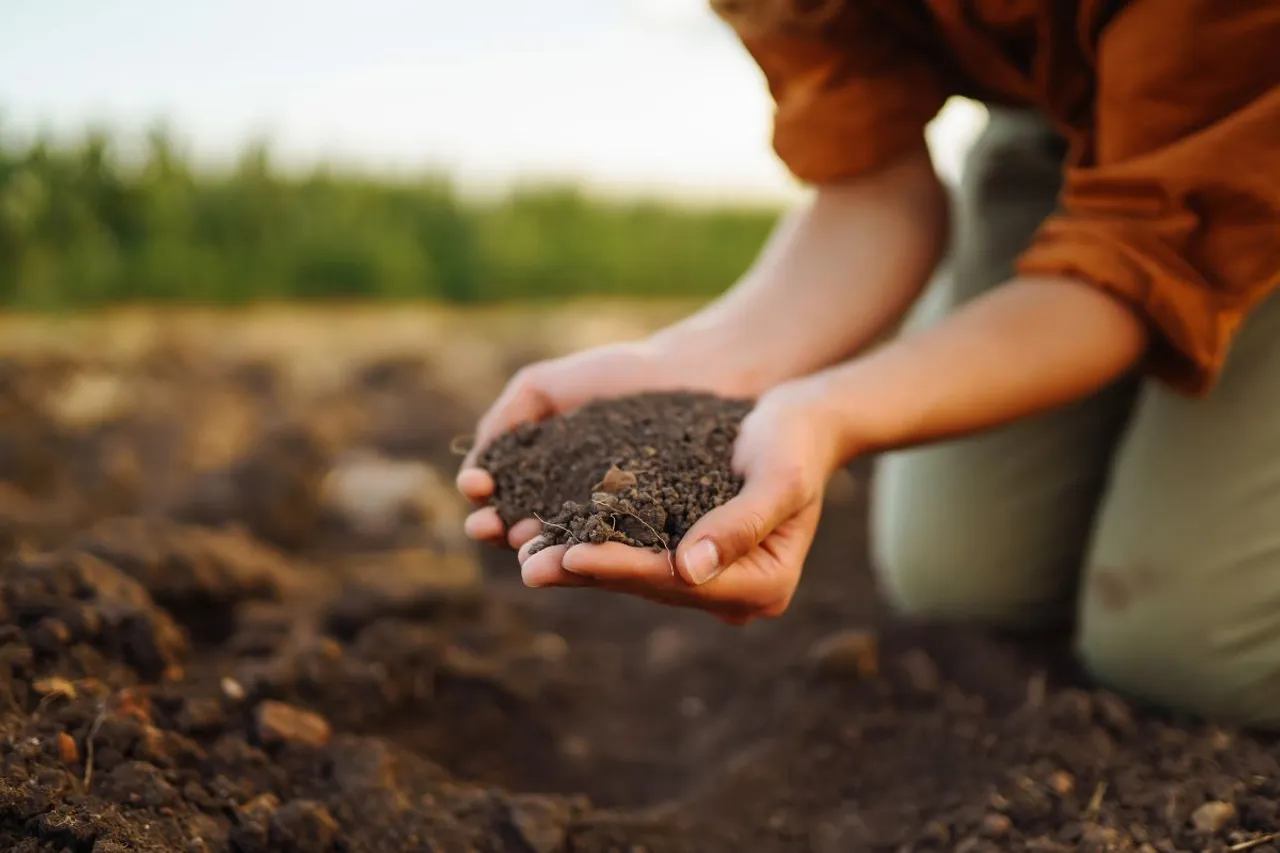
(523,400)
(727,533)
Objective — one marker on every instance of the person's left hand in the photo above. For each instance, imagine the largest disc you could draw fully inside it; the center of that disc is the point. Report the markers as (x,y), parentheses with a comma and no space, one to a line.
(743,559)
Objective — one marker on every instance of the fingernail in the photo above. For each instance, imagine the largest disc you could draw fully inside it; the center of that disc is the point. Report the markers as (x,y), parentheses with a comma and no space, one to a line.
(702,562)
(569,562)
(531,579)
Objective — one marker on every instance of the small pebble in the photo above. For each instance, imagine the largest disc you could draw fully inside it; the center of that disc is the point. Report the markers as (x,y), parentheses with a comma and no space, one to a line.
(280,723)
(1062,783)
(996,825)
(232,689)
(55,686)
(549,648)
(846,655)
(1212,817)
(67,749)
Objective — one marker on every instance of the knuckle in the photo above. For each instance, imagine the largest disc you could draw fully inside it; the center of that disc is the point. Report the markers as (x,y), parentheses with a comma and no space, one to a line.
(526,379)
(794,485)
(775,608)
(753,526)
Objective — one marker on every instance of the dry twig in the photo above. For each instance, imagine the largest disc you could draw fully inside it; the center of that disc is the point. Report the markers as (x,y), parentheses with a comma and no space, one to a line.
(1095,802)
(613,507)
(88,745)
(551,524)
(1253,842)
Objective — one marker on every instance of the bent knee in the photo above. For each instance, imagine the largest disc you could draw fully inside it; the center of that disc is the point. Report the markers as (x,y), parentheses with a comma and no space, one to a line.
(954,579)
(1221,665)
(947,548)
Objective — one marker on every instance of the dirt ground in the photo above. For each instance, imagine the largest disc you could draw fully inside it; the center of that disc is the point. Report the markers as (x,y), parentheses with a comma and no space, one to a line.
(236,615)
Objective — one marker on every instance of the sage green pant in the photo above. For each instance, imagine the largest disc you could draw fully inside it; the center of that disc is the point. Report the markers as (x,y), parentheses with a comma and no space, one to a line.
(1155,516)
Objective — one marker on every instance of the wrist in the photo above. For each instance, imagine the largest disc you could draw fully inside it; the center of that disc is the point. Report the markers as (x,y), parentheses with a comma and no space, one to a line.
(718,353)
(833,436)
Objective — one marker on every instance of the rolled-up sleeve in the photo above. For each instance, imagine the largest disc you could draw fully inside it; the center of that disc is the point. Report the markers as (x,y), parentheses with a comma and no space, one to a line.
(1175,204)
(850,96)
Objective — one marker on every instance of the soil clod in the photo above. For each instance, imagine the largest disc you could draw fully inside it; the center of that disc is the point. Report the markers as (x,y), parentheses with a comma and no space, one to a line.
(849,654)
(638,470)
(279,723)
(1213,817)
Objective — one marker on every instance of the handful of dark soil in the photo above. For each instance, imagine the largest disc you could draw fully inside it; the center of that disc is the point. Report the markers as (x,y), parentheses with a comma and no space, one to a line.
(638,470)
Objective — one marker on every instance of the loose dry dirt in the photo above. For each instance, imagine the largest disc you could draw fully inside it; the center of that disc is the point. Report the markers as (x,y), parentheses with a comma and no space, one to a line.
(235,616)
(639,469)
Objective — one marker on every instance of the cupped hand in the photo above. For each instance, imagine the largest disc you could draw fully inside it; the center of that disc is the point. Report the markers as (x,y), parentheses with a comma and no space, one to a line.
(560,385)
(742,560)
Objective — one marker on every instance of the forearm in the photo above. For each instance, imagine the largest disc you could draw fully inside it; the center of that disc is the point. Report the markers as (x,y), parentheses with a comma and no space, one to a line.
(834,276)
(1027,347)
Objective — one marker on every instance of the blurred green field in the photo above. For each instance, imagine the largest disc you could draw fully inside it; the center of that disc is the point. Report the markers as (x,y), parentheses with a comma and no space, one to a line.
(82,225)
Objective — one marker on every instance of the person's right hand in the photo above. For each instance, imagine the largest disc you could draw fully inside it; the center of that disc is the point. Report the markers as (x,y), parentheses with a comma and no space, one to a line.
(560,385)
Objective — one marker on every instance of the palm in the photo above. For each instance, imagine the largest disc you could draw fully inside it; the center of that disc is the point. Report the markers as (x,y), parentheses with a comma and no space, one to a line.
(559,386)
(779,559)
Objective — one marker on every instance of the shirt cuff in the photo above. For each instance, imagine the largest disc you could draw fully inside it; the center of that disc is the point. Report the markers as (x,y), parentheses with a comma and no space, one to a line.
(1192,324)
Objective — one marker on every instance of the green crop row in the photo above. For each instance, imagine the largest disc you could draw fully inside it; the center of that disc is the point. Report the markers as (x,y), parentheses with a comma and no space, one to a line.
(81,226)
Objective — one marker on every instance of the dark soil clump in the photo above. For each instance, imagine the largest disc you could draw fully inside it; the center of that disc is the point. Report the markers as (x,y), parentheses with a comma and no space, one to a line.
(638,470)
(175,687)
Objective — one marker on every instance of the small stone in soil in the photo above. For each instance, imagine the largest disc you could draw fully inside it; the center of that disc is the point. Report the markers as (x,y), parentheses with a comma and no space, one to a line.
(279,723)
(1212,817)
(1062,783)
(68,752)
(232,689)
(849,654)
(996,825)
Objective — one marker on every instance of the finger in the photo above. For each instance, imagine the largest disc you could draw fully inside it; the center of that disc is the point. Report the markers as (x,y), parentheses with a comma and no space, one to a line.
(729,532)
(476,484)
(751,584)
(523,531)
(521,401)
(679,594)
(544,569)
(615,562)
(484,525)
(522,553)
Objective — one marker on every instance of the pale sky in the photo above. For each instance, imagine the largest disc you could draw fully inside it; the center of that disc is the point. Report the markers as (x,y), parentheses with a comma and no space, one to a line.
(652,96)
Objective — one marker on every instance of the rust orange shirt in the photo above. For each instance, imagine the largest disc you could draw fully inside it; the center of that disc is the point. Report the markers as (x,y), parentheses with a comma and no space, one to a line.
(1171,108)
